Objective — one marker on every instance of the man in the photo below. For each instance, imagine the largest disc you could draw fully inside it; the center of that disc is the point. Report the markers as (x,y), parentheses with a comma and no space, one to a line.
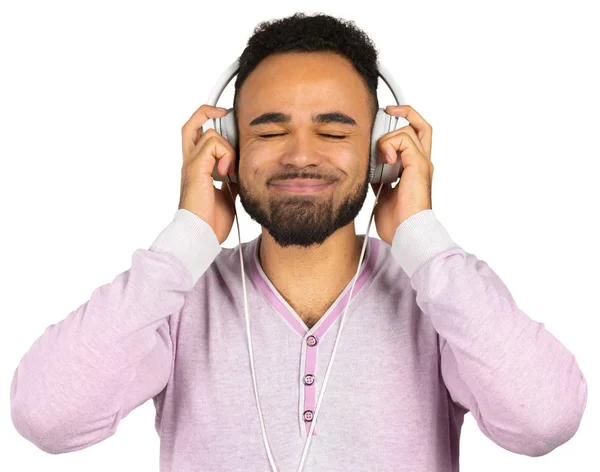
(431,334)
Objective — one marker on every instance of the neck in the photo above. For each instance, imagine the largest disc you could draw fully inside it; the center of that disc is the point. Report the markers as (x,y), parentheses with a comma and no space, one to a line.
(312,278)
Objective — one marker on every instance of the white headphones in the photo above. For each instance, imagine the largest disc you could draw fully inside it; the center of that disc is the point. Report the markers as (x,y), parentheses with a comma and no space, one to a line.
(378,173)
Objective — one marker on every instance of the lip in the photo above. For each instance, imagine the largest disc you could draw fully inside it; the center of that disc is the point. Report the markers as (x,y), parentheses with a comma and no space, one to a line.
(301,185)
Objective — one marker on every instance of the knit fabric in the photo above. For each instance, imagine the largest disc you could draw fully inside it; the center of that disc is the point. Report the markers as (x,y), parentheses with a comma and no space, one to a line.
(432,333)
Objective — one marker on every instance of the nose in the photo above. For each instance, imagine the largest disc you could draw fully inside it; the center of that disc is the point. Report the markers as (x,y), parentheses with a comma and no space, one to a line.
(301,150)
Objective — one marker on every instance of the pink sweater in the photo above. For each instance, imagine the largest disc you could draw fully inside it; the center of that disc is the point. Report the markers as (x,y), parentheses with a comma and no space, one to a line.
(432,333)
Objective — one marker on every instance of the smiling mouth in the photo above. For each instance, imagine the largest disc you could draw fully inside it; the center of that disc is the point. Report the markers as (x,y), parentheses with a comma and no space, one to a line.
(301,185)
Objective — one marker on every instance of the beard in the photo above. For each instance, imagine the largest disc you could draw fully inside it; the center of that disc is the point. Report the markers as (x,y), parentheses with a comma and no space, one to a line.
(303,220)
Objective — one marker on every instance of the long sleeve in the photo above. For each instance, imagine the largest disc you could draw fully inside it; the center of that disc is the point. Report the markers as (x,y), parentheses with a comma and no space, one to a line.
(113,353)
(523,387)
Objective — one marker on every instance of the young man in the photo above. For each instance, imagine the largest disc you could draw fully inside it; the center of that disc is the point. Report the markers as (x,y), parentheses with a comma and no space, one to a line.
(431,334)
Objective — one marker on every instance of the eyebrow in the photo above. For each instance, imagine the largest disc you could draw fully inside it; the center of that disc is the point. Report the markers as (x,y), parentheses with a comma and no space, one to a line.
(276,117)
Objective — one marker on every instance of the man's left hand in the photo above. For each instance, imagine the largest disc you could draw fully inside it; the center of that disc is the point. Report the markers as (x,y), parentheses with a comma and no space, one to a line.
(412,194)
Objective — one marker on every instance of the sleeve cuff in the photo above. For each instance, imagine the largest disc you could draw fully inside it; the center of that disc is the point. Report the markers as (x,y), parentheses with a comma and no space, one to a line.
(418,239)
(192,240)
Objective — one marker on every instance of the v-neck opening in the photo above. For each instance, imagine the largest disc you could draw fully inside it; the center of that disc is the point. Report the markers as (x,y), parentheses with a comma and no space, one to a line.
(280,305)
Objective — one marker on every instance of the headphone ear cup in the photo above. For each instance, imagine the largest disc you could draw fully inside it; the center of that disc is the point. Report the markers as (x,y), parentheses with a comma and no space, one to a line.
(375,162)
(226,127)
(380,173)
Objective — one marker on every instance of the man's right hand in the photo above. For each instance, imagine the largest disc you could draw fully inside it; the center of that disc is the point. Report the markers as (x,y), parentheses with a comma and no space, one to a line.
(198,193)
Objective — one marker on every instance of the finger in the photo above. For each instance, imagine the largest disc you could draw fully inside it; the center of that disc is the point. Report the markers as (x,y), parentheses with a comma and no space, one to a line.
(214,141)
(422,127)
(411,131)
(192,129)
(410,153)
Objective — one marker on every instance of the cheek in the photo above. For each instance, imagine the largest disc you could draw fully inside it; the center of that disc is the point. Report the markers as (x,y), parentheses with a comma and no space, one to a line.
(350,161)
(253,159)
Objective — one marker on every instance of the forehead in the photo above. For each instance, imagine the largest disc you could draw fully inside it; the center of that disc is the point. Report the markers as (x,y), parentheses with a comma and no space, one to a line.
(302,84)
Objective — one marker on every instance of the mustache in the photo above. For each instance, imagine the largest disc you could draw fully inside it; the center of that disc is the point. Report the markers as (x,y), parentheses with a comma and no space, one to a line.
(324,178)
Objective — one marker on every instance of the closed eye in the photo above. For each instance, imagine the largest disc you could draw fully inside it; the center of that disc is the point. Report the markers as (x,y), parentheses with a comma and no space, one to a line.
(281,134)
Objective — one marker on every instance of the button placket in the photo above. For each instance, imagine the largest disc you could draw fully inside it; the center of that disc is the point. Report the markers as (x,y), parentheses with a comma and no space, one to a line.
(309,381)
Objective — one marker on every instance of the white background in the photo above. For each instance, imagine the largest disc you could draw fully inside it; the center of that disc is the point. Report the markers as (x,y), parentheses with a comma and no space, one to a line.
(93,97)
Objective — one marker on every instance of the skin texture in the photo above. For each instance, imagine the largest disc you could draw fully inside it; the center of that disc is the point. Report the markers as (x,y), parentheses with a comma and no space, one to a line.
(309,248)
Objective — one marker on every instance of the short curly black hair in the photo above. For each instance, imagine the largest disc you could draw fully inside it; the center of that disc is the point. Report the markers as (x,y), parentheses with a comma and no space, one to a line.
(318,32)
